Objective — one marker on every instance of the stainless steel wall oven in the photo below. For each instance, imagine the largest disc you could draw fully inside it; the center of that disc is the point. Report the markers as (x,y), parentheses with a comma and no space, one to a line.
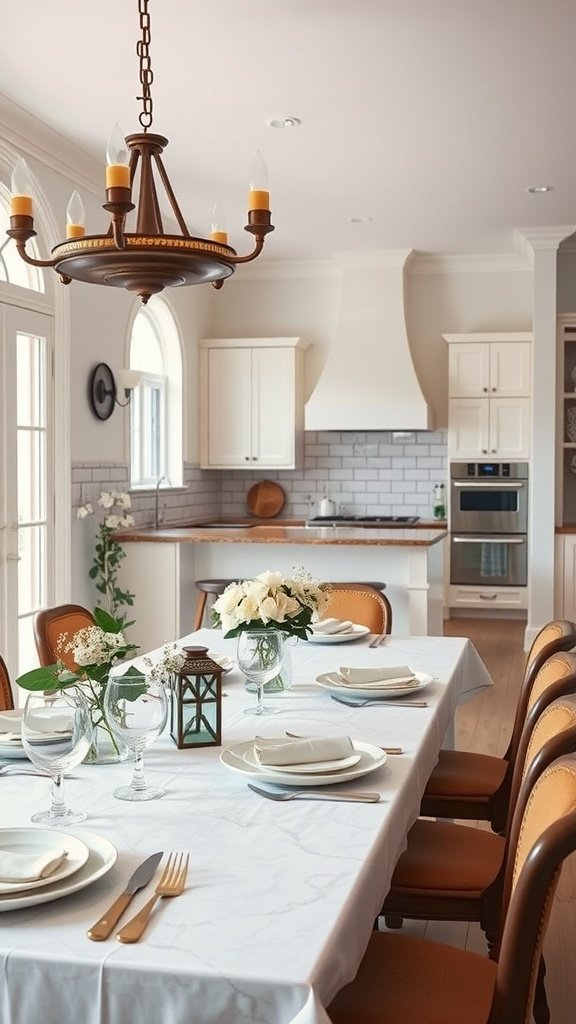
(489,523)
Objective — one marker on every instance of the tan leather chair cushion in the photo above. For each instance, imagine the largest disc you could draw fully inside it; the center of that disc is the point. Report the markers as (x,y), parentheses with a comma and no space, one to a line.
(403,980)
(462,773)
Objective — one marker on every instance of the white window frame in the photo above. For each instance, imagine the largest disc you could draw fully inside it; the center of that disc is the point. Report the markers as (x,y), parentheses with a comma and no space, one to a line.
(141,455)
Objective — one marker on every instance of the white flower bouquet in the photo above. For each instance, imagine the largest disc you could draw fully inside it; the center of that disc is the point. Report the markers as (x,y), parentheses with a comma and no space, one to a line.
(271,601)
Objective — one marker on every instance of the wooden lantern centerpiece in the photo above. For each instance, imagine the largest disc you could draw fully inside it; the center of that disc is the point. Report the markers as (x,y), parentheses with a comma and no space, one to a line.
(196,715)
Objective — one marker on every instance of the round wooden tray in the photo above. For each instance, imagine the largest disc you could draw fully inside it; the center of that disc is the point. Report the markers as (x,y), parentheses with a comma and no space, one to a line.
(266,499)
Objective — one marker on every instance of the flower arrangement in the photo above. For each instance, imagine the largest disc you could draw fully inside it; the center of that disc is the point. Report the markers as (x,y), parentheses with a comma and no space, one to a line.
(96,650)
(271,601)
(109,552)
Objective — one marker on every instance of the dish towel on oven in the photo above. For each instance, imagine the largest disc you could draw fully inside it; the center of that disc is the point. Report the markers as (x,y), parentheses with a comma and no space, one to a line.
(493,561)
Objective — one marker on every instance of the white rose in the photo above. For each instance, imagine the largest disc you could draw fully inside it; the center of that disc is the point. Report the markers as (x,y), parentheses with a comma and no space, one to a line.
(248,609)
(273,580)
(270,610)
(106,500)
(84,510)
(122,499)
(113,522)
(256,590)
(229,599)
(127,521)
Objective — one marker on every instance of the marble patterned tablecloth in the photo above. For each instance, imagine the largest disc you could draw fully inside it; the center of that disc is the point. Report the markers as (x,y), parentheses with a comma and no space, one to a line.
(281,897)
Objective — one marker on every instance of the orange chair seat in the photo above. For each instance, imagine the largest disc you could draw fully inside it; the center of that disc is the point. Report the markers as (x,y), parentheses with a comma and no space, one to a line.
(443,857)
(403,980)
(461,773)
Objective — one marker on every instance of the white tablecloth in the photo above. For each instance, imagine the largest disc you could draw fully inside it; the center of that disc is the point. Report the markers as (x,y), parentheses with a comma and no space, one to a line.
(281,896)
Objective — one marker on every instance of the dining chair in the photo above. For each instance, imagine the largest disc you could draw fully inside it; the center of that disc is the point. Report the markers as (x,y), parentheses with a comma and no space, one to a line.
(6,698)
(454,872)
(51,623)
(361,603)
(403,979)
(467,785)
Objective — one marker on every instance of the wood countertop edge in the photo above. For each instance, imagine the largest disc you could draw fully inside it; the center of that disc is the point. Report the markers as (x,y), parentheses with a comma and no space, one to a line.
(326,536)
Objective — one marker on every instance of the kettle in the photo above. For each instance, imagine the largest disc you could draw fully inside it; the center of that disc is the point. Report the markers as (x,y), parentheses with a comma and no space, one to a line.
(327,507)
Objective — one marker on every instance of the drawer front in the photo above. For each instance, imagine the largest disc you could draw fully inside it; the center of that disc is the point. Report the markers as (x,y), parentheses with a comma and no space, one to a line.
(488,597)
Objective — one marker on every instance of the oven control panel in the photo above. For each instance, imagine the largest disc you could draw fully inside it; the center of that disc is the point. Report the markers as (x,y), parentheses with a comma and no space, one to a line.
(489,470)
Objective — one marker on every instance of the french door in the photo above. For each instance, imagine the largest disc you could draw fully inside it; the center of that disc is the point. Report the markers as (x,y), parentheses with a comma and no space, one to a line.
(26,479)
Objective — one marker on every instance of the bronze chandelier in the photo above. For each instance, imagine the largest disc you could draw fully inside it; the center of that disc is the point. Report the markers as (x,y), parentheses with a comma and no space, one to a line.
(147,260)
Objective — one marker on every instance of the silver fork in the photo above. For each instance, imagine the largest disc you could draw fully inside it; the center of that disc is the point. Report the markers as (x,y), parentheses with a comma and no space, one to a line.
(313,794)
(380,703)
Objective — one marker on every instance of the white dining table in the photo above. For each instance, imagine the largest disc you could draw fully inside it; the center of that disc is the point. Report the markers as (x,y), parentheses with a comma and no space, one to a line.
(281,897)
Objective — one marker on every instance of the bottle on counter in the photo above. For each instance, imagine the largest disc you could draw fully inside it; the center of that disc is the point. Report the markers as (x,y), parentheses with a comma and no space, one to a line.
(327,507)
(439,502)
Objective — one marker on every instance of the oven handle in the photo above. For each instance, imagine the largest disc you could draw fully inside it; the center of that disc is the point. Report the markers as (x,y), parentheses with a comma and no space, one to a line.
(498,484)
(489,540)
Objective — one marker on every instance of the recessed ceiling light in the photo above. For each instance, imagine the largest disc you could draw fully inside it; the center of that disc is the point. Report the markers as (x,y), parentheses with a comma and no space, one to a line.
(360,220)
(535,189)
(284,122)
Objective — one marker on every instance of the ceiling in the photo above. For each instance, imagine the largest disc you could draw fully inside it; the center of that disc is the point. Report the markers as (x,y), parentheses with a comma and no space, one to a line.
(431,117)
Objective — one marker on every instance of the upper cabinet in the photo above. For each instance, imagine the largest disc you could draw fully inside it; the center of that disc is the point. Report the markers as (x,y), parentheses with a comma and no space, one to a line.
(489,395)
(251,403)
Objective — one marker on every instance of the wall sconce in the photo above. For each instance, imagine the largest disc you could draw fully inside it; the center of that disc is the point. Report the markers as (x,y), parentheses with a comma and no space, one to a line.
(102,389)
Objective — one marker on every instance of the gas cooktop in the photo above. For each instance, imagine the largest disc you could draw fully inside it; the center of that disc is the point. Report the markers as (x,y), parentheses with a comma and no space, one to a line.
(362,521)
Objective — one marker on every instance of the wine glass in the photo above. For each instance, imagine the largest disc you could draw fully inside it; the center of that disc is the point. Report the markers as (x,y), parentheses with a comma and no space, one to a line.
(260,659)
(136,708)
(56,735)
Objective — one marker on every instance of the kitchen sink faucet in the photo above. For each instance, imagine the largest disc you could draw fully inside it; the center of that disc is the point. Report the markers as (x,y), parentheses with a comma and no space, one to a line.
(158,516)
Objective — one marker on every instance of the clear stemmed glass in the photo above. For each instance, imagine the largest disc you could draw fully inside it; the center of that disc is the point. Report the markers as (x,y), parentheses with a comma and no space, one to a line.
(56,735)
(260,659)
(136,708)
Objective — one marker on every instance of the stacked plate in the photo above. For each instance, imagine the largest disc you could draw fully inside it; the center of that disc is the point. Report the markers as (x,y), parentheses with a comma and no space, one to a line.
(10,734)
(336,632)
(384,689)
(87,860)
(365,758)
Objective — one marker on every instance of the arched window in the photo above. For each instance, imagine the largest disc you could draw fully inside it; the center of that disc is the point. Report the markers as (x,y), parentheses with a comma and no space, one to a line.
(156,406)
(13,269)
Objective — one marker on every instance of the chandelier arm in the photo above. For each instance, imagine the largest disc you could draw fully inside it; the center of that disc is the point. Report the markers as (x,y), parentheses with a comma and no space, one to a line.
(251,255)
(170,193)
(21,246)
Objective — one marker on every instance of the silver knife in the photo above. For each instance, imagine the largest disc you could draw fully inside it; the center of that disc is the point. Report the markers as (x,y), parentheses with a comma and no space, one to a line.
(140,878)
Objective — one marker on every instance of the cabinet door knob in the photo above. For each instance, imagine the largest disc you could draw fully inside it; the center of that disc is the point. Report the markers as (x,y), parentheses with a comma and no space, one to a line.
(484,389)
(254,458)
(246,458)
(494,450)
(494,389)
(484,451)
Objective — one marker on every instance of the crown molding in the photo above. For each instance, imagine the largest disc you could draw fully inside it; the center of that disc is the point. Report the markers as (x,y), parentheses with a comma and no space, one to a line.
(546,237)
(34,138)
(468,263)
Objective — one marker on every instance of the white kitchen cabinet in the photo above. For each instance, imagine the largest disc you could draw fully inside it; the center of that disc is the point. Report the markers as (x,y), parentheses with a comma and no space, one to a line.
(251,403)
(489,395)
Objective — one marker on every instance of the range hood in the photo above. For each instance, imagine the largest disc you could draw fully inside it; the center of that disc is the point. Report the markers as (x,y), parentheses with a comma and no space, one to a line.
(368,381)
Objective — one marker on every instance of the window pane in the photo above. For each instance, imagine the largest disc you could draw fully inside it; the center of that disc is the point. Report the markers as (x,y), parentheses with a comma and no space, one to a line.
(30,381)
(31,475)
(31,568)
(145,350)
(12,267)
(27,655)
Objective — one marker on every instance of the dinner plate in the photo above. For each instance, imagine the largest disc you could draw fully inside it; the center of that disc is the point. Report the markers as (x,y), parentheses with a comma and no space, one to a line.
(371,758)
(339,638)
(102,856)
(35,841)
(311,768)
(331,681)
(226,663)
(12,750)
(11,721)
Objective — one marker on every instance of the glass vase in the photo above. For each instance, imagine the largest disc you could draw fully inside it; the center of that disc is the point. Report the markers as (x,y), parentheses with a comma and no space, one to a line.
(105,748)
(283,681)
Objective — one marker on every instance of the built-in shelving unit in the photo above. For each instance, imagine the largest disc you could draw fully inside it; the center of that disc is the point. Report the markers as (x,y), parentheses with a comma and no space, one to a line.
(567,419)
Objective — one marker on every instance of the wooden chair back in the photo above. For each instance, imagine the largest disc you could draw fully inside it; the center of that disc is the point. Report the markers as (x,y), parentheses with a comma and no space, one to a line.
(360,603)
(6,697)
(544,834)
(49,626)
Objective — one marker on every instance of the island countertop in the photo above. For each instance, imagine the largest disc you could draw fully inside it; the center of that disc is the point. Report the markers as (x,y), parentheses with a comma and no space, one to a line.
(412,536)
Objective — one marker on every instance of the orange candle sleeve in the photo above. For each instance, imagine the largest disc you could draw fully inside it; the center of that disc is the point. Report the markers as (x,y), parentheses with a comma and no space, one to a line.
(75,231)
(258,199)
(219,236)
(117,176)
(21,205)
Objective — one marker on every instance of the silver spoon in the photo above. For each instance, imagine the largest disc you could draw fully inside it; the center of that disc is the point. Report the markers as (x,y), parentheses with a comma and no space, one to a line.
(380,703)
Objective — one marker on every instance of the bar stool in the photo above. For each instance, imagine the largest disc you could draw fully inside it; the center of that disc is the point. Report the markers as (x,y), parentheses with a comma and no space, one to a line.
(215,587)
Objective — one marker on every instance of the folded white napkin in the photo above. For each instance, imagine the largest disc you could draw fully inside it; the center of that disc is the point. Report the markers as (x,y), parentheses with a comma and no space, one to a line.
(52,723)
(10,722)
(25,867)
(320,748)
(328,626)
(384,678)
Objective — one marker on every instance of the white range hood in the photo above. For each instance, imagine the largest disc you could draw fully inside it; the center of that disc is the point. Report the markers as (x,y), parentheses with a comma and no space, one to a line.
(368,381)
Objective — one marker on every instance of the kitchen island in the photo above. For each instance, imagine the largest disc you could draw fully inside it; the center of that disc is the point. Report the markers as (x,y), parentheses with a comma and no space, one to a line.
(162,565)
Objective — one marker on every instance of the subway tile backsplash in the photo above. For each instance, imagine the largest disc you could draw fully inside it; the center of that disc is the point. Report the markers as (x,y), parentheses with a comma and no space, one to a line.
(365,473)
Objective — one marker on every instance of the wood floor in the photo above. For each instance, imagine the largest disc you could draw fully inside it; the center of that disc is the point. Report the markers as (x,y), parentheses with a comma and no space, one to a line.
(484,724)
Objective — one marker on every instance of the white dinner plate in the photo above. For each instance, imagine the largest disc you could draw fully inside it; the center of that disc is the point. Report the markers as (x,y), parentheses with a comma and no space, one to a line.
(353,633)
(12,750)
(11,721)
(310,768)
(371,758)
(331,681)
(35,841)
(101,857)
(226,663)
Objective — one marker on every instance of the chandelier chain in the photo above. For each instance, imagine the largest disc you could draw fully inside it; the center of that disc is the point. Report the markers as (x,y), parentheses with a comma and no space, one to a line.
(146,73)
